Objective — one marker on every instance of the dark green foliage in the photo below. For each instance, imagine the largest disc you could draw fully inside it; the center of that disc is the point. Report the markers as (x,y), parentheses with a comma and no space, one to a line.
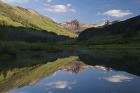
(9,33)
(120,32)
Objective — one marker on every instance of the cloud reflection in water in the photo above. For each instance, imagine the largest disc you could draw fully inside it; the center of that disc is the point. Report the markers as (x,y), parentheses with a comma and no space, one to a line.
(60,85)
(118,78)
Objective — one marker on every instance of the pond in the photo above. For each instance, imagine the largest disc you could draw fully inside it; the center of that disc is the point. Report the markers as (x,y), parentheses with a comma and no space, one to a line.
(86,72)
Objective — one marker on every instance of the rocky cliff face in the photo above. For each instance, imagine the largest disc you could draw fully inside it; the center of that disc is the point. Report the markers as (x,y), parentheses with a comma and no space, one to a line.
(76,26)
(73,25)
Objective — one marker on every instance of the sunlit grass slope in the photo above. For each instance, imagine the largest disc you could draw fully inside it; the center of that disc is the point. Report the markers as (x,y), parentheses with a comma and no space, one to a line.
(17,16)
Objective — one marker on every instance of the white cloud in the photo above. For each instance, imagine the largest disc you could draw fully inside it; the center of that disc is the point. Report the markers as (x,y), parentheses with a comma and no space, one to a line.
(118,78)
(15,1)
(60,8)
(117,13)
(49,1)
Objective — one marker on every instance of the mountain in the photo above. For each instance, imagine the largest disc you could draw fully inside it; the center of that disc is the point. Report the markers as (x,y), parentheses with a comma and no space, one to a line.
(20,17)
(75,66)
(127,31)
(76,26)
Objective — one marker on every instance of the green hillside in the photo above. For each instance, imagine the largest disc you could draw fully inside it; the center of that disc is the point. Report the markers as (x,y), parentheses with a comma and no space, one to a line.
(21,17)
(123,32)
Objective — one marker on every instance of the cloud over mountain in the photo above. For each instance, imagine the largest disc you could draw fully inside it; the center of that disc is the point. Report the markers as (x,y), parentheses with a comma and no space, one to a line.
(117,13)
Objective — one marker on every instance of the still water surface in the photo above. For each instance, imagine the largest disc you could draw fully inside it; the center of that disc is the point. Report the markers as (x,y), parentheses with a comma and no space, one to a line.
(84,73)
(87,81)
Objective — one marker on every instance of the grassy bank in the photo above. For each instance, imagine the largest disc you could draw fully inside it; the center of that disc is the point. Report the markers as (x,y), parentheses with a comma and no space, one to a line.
(16,47)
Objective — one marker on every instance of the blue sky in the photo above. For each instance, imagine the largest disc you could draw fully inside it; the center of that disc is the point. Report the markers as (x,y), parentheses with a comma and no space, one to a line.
(87,11)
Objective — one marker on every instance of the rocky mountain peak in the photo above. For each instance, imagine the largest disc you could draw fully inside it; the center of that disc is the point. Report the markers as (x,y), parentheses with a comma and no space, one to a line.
(76,26)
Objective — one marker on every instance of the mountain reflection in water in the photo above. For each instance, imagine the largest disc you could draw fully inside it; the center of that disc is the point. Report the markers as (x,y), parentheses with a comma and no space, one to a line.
(98,71)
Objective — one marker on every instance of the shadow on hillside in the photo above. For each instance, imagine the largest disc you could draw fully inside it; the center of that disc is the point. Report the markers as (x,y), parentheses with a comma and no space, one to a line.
(119,32)
(9,33)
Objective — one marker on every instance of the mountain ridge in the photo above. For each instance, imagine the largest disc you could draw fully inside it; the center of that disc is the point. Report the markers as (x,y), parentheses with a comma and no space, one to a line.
(118,32)
(17,16)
